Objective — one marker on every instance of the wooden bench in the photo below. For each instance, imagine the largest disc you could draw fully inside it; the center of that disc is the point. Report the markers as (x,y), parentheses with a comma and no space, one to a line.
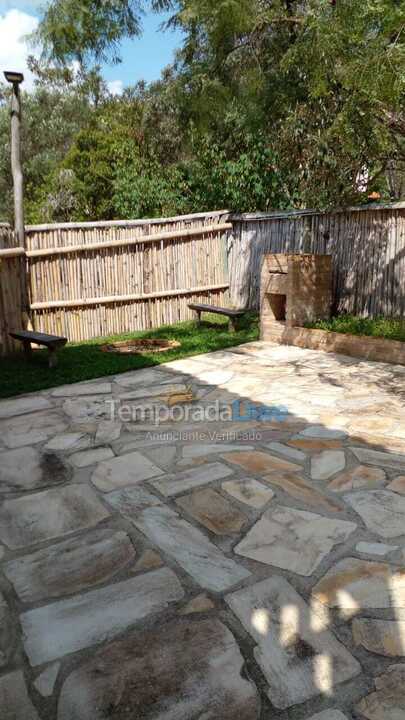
(52,342)
(232,314)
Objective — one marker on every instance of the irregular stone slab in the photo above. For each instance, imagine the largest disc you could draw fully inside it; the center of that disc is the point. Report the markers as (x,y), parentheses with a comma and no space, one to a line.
(353,585)
(200,450)
(70,566)
(294,540)
(51,631)
(144,442)
(108,431)
(87,410)
(298,656)
(382,511)
(6,632)
(90,457)
(130,501)
(187,480)
(375,548)
(14,701)
(45,682)
(390,444)
(80,389)
(289,452)
(164,455)
(373,424)
(388,700)
(23,405)
(326,464)
(197,555)
(314,445)
(324,433)
(201,603)
(124,470)
(189,366)
(31,429)
(210,509)
(298,488)
(361,476)
(156,391)
(197,675)
(214,377)
(140,377)
(26,469)
(249,491)
(149,560)
(331,714)
(399,431)
(375,457)
(260,462)
(69,441)
(49,514)
(383,637)
(398,485)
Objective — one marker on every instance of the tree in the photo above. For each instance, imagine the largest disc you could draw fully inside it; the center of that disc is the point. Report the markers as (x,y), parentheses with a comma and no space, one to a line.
(269,104)
(86,30)
(324,82)
(52,114)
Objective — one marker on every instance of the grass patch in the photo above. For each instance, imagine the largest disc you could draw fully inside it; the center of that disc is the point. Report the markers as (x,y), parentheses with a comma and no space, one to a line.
(389,328)
(86,361)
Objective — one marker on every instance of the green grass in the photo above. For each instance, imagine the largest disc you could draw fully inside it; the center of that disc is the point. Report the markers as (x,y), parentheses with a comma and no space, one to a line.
(389,328)
(85,361)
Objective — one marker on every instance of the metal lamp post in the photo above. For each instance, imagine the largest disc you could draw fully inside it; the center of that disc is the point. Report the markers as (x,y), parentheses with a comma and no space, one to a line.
(16,78)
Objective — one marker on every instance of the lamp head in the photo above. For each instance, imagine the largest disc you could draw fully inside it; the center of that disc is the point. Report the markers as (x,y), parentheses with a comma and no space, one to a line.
(13,77)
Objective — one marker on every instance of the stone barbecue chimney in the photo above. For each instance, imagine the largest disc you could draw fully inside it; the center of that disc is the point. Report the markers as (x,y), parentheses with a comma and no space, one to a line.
(294,290)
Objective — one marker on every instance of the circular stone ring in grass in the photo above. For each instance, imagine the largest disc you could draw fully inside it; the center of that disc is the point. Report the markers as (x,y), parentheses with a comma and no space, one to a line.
(140,347)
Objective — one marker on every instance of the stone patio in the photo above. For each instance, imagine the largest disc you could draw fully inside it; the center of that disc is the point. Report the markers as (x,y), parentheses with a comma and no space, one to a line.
(245,556)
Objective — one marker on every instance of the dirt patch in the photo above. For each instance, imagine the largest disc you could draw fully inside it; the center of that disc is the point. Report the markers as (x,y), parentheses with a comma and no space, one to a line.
(139,347)
(53,468)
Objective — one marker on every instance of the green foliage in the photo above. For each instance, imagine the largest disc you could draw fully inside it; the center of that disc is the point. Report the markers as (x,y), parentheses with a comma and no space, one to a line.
(147,189)
(85,361)
(270,104)
(325,82)
(51,117)
(86,30)
(390,328)
(245,180)
(351,63)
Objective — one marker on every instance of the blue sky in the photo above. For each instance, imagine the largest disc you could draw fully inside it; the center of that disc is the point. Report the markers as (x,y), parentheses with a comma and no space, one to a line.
(142,58)
(145,57)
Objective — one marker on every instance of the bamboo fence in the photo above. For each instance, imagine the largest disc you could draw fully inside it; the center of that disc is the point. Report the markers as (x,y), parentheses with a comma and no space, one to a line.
(86,280)
(99,279)
(367,245)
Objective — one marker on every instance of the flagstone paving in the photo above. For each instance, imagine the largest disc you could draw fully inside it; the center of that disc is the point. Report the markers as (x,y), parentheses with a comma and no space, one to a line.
(243,555)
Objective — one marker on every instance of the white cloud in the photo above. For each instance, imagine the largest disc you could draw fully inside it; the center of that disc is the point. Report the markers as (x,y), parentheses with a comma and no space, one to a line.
(29,6)
(14,49)
(115,87)
(15,25)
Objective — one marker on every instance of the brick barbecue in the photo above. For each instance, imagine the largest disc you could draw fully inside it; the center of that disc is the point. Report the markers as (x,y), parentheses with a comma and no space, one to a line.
(294,290)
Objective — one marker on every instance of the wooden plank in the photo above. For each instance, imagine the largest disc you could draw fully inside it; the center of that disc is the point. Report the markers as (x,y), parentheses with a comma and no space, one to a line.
(39,338)
(124,298)
(157,237)
(177,219)
(229,312)
(12,252)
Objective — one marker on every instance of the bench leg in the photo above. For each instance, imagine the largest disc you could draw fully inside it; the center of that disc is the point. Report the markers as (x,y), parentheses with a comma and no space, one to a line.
(52,357)
(27,349)
(198,312)
(233,325)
